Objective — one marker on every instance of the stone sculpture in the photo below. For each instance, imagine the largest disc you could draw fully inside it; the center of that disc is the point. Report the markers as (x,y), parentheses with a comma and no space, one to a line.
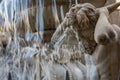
(97,35)
(79,49)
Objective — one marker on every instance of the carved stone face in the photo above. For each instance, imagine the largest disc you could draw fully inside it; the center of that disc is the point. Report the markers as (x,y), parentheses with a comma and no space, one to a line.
(82,14)
(86,16)
(83,18)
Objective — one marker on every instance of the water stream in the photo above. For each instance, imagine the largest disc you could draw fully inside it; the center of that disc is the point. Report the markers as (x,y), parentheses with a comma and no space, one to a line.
(16,62)
(27,58)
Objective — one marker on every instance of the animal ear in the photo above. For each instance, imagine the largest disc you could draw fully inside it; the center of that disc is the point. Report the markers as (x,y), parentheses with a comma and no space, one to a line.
(113,7)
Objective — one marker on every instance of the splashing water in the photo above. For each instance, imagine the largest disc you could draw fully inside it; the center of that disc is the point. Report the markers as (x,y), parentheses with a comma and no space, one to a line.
(17,62)
(28,58)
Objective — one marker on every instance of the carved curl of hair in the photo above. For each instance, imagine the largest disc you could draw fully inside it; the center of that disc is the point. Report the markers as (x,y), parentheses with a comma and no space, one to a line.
(86,16)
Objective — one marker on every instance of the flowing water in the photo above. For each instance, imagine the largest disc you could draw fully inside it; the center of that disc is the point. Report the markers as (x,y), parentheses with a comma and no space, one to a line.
(17,62)
(26,58)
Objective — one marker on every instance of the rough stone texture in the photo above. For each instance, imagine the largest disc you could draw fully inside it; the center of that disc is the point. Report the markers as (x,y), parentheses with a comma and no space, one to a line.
(49,19)
(50,28)
(114,19)
(115,58)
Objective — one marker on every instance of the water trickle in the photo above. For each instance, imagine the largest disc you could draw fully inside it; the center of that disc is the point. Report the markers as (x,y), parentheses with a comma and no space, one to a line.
(70,3)
(31,61)
(41,7)
(39,20)
(14,67)
(62,12)
(55,13)
(76,1)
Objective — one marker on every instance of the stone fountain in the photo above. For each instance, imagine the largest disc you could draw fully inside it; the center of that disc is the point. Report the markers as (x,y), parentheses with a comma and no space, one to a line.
(79,48)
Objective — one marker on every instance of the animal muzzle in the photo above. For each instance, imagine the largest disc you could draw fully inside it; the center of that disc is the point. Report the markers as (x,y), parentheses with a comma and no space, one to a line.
(104,31)
(106,37)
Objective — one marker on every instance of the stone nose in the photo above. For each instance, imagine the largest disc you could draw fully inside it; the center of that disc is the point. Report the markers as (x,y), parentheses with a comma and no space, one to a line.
(105,37)
(111,34)
(104,32)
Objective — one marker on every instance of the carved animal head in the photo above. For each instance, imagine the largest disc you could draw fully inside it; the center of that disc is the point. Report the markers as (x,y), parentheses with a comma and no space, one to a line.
(83,17)
(82,14)
(89,25)
(104,30)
